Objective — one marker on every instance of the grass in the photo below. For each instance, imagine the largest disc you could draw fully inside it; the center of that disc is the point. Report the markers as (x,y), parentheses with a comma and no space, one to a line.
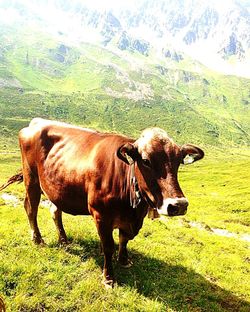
(177,267)
(180,264)
(223,183)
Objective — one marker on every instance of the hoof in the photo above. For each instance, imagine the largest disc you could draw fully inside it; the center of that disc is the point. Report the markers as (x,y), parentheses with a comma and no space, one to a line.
(126,264)
(38,241)
(108,284)
(63,242)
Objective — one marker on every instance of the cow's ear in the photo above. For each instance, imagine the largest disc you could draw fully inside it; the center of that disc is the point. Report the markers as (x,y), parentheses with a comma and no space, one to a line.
(127,153)
(191,153)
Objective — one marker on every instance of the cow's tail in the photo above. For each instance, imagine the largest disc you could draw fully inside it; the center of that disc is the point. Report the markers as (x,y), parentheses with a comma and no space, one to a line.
(15,178)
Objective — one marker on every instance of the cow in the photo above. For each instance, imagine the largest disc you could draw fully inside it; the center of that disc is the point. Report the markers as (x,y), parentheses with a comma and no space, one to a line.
(115,179)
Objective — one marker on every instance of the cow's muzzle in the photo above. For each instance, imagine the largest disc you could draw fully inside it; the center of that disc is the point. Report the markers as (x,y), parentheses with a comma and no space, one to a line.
(173,207)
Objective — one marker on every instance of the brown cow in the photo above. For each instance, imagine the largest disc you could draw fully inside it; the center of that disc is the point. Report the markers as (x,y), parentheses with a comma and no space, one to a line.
(115,179)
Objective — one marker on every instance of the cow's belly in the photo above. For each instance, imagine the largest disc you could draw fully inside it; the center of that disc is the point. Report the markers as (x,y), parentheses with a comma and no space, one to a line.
(71,200)
(73,208)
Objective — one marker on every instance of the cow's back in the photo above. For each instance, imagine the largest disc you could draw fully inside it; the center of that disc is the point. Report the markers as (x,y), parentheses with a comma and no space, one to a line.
(72,163)
(41,135)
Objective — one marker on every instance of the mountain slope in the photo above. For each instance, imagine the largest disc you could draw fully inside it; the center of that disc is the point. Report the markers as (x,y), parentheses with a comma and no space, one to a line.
(118,91)
(96,67)
(215,33)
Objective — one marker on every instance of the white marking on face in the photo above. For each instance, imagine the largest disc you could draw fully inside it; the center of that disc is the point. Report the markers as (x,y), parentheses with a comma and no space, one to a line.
(148,136)
(163,210)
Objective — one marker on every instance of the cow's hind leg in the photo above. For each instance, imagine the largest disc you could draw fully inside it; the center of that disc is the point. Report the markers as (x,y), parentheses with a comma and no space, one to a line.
(31,202)
(123,252)
(57,217)
(105,232)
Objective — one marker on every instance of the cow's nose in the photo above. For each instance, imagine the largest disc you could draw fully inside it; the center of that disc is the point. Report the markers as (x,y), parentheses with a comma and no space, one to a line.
(174,207)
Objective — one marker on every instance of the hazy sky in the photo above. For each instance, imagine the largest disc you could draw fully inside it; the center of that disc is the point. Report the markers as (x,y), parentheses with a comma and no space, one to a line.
(122,3)
(116,4)
(110,3)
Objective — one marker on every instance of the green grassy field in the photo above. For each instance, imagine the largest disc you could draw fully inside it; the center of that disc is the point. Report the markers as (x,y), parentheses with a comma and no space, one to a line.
(180,264)
(199,262)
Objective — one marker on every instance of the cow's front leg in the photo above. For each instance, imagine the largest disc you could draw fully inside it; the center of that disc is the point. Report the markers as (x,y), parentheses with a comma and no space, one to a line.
(105,232)
(123,252)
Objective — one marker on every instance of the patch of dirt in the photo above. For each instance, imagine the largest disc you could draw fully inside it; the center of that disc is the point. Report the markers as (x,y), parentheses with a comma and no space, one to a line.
(10,82)
(14,200)
(134,91)
(139,91)
(220,232)
(10,199)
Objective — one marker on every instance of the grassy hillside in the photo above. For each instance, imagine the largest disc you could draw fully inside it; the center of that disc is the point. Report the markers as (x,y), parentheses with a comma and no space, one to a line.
(117,91)
(199,262)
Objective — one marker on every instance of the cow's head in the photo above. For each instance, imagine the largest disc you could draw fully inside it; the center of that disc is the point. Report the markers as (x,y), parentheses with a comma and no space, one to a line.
(158,159)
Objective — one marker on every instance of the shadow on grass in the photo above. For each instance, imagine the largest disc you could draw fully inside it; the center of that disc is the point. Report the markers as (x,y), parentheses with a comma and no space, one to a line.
(176,286)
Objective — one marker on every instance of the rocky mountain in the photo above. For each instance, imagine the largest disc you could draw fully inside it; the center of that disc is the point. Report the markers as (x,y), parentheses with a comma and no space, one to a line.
(216,33)
(127,67)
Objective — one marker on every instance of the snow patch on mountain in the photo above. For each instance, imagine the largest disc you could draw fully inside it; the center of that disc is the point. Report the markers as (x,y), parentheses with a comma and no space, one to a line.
(216,33)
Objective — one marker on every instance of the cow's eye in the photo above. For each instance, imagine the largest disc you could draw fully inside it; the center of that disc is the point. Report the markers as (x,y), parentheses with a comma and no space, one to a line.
(146,162)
